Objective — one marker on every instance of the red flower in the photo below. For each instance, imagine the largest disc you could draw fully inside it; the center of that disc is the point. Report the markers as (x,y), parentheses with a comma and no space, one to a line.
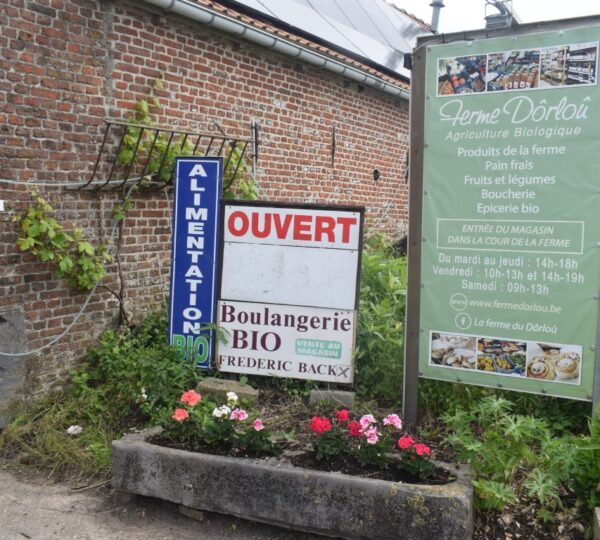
(422,449)
(405,442)
(342,415)
(354,429)
(180,415)
(190,398)
(320,425)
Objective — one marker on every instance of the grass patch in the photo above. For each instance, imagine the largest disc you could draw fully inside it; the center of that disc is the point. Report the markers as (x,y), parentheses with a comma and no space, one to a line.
(128,380)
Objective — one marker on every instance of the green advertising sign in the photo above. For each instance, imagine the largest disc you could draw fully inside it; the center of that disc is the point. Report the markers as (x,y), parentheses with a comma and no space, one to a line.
(510,257)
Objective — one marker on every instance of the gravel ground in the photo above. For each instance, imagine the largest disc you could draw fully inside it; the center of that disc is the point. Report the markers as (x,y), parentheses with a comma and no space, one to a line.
(31,507)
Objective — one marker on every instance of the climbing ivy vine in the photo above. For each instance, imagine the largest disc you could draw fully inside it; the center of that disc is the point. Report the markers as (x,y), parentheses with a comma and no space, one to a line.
(160,152)
(70,254)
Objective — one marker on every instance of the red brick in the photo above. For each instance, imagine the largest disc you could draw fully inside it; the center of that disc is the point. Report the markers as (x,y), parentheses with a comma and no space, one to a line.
(61,76)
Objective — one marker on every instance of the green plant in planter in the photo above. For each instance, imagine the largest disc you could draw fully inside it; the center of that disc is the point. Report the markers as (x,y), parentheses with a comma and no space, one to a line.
(197,420)
(369,443)
(69,253)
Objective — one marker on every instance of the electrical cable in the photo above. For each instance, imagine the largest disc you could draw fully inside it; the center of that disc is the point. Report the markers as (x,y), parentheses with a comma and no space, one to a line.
(60,184)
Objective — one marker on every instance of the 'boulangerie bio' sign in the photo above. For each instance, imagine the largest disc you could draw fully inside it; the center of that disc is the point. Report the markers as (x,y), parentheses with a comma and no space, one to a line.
(289,284)
(510,263)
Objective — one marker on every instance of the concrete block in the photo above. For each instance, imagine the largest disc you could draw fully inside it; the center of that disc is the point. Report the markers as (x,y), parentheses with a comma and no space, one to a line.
(12,368)
(280,494)
(217,389)
(341,398)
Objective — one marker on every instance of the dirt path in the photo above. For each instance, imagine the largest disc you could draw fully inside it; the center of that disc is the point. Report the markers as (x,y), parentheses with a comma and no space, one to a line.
(36,509)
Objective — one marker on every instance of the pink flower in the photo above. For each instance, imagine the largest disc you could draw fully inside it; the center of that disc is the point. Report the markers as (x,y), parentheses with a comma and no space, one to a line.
(180,415)
(393,420)
(366,420)
(372,435)
(422,449)
(238,414)
(405,442)
(190,398)
(258,425)
(354,429)
(320,425)
(342,416)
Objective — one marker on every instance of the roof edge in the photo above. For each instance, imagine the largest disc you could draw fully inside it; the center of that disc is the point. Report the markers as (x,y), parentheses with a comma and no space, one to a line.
(269,40)
(425,25)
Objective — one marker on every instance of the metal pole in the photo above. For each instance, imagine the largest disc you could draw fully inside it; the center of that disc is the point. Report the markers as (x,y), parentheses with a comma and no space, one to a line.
(415,205)
(437,5)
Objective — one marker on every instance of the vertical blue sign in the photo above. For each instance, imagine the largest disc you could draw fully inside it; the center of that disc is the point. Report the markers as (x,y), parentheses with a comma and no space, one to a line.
(194,257)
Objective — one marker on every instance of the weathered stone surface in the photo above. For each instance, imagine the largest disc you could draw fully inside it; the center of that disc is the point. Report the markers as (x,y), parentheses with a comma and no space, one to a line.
(192,513)
(217,389)
(12,368)
(596,523)
(341,398)
(314,501)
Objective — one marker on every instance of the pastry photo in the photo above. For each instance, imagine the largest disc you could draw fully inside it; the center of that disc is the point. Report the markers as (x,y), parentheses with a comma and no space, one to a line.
(554,362)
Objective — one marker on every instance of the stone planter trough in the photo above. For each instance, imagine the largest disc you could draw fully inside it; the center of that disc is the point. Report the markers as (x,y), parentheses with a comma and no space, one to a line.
(268,491)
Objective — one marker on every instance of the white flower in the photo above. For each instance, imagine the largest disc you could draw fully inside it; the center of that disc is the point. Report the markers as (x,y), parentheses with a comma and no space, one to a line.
(144,395)
(221,411)
(74,430)
(232,398)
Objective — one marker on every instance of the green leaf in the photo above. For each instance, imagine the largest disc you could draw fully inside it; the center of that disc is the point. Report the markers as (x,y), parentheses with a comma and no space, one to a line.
(493,495)
(125,156)
(543,486)
(85,247)
(34,229)
(118,213)
(66,264)
(142,106)
(46,255)
(25,243)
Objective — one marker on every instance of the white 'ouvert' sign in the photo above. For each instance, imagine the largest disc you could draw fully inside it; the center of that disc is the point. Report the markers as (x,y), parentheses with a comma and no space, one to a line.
(289,290)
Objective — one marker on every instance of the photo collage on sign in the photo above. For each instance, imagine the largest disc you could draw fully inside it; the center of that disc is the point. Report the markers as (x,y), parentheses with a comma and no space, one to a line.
(498,356)
(551,67)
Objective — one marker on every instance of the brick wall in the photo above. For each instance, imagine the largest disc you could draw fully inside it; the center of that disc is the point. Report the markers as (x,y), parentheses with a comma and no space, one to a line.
(66,65)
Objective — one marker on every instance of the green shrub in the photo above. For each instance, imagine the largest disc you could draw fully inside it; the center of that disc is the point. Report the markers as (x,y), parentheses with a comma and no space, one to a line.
(561,415)
(512,455)
(517,456)
(129,379)
(134,375)
(380,331)
(585,467)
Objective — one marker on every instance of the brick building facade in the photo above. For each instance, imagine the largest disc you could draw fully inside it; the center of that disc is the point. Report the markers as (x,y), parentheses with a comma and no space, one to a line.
(66,66)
